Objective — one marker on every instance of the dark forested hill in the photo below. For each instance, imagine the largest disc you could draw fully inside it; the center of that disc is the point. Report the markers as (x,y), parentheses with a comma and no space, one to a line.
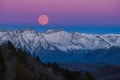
(15,64)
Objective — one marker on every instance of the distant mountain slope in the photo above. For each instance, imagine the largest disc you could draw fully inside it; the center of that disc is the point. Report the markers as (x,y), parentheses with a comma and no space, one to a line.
(59,45)
(102,56)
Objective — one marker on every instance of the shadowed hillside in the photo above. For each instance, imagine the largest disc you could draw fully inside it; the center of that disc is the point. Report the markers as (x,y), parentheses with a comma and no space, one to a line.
(16,64)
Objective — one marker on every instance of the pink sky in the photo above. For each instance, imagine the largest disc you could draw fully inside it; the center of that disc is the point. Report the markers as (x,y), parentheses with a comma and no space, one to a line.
(75,11)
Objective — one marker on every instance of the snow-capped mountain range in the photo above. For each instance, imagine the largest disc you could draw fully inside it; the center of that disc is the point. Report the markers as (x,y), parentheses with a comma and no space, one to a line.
(63,45)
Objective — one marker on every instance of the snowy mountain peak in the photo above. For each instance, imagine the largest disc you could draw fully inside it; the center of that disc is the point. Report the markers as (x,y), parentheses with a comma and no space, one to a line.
(29,31)
(53,31)
(58,40)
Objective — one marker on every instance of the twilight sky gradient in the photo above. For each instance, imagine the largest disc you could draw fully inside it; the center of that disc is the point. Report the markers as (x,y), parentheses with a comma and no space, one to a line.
(101,12)
(61,12)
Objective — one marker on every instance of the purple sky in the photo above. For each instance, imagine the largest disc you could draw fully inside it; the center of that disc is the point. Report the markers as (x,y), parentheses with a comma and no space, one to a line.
(61,12)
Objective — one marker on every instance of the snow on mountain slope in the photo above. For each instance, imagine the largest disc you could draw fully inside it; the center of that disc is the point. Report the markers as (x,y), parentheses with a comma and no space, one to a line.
(59,42)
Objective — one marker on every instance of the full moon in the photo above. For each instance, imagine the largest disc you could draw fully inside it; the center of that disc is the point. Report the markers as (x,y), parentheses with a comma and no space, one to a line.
(43,19)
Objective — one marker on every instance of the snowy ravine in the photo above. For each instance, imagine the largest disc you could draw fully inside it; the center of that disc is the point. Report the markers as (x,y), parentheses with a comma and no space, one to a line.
(62,46)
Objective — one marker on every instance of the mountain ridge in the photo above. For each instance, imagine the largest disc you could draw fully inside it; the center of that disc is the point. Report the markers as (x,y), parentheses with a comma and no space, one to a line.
(59,45)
